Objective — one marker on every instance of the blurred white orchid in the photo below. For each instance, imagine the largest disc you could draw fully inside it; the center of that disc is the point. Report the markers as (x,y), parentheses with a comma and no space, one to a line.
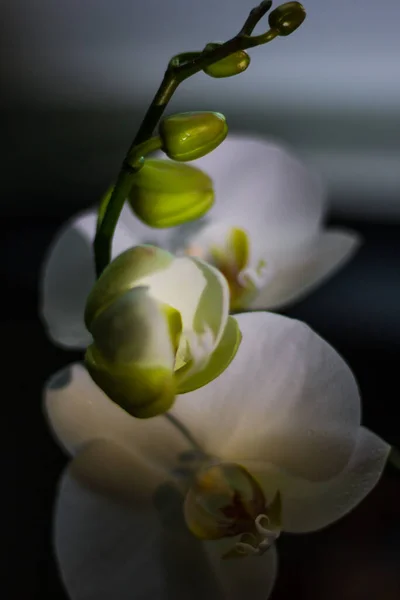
(273,444)
(264,233)
(265,230)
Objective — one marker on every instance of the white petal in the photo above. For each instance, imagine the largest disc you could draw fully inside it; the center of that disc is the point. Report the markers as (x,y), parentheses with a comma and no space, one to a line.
(197,290)
(243,578)
(300,269)
(308,506)
(110,549)
(79,412)
(260,184)
(68,276)
(287,398)
(181,236)
(144,233)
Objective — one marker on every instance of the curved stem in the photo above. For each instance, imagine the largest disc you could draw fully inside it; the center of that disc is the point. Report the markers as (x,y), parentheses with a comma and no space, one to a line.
(156,108)
(137,152)
(264,38)
(114,199)
(115,203)
(184,431)
(176,73)
(394,457)
(103,206)
(106,229)
(254,17)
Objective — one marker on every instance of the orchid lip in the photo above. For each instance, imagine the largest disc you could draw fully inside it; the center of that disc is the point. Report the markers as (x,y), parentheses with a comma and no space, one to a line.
(245,276)
(256,544)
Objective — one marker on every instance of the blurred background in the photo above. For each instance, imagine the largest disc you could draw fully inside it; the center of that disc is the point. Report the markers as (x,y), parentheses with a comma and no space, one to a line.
(76,78)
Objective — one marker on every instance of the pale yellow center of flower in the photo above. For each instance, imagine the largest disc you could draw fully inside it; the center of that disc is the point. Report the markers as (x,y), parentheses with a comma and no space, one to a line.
(225,500)
(232,260)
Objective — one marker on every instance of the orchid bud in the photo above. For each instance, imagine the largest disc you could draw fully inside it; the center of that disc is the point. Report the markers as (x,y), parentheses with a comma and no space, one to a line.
(167,194)
(286,18)
(160,327)
(230,65)
(188,136)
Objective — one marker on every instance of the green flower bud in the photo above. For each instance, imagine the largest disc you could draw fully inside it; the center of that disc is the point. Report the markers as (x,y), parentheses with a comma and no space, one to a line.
(167,194)
(188,136)
(230,65)
(286,18)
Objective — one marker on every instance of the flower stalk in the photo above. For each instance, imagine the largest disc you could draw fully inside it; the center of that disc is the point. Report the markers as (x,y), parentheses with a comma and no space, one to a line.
(180,68)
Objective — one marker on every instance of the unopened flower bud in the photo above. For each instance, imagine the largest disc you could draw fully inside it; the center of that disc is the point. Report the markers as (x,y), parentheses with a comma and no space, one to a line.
(188,136)
(167,194)
(230,65)
(286,18)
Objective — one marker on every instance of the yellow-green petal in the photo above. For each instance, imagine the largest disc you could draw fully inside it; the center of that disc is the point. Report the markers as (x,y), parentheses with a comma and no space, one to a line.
(174,323)
(141,391)
(132,356)
(220,359)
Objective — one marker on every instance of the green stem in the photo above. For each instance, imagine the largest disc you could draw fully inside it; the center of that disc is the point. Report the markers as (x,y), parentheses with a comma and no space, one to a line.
(176,72)
(111,212)
(394,457)
(156,108)
(184,431)
(105,232)
(113,201)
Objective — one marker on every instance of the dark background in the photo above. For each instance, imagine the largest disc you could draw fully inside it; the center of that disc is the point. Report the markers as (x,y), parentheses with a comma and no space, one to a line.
(73,93)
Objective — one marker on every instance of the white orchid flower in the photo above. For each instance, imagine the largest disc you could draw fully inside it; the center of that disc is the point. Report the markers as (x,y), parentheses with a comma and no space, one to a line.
(264,233)
(148,510)
(265,230)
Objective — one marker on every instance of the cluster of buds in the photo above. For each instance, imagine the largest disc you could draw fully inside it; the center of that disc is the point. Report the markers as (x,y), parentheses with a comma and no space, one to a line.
(169,193)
